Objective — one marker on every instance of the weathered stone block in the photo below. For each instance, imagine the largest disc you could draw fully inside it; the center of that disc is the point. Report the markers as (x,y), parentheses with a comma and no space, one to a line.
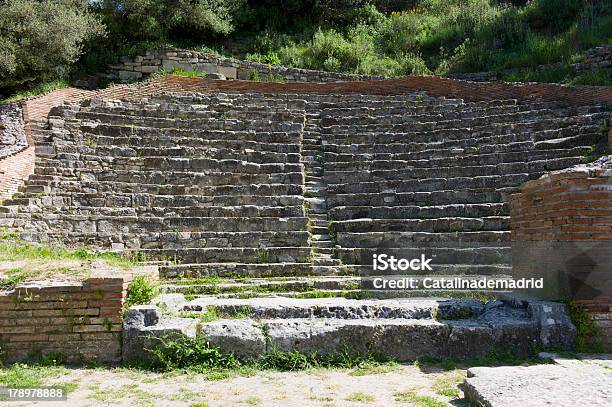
(228,71)
(129,75)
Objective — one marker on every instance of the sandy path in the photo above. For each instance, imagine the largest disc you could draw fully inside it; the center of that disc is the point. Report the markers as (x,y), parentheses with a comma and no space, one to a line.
(120,387)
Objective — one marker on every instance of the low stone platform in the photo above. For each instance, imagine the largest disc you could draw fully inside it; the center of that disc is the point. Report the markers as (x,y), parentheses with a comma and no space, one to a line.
(567,382)
(402,329)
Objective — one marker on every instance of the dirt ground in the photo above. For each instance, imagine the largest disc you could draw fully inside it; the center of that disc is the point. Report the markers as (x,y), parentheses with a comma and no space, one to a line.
(401,385)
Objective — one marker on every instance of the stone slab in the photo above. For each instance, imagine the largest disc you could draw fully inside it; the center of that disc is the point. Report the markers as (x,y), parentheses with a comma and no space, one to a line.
(564,383)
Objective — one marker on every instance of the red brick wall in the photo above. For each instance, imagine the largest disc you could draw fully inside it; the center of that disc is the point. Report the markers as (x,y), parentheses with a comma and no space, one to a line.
(82,321)
(435,86)
(566,205)
(38,108)
(14,170)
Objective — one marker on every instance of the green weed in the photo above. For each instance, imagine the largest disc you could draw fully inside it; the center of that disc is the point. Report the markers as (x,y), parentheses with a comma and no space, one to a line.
(141,290)
(447,386)
(413,398)
(359,397)
(588,335)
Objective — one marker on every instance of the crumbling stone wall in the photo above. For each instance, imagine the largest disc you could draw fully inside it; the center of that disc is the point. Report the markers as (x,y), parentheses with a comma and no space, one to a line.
(168,59)
(12,133)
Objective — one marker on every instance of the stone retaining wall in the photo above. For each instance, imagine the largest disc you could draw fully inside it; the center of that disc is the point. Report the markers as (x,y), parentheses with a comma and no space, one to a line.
(16,153)
(168,59)
(562,231)
(82,321)
(594,58)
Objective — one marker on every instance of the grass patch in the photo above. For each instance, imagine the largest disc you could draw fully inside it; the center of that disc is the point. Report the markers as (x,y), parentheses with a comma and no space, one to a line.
(24,375)
(374,367)
(12,278)
(42,373)
(10,251)
(114,394)
(202,280)
(447,386)
(32,271)
(186,74)
(199,356)
(359,397)
(38,90)
(253,401)
(413,398)
(191,353)
(185,395)
(212,313)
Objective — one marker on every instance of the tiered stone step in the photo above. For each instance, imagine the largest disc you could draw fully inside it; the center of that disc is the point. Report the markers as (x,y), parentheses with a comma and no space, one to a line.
(208,179)
(250,286)
(191,270)
(287,184)
(404,179)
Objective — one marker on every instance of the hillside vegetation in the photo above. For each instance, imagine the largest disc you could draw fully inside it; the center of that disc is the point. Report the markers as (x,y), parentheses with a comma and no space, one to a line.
(44,40)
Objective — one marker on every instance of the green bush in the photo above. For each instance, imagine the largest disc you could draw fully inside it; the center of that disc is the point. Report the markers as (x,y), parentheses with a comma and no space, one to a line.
(552,15)
(141,290)
(39,40)
(356,52)
(271,58)
(45,87)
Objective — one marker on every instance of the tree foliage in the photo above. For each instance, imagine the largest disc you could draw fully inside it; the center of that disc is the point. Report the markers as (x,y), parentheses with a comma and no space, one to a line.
(40,39)
(162,19)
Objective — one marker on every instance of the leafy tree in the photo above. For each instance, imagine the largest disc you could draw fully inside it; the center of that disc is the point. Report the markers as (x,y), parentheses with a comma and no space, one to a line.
(162,19)
(39,39)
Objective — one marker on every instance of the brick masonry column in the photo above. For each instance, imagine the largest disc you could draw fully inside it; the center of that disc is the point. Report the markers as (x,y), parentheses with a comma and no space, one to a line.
(562,231)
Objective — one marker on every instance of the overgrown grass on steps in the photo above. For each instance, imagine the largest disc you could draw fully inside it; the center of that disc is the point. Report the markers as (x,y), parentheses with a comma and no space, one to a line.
(10,250)
(38,90)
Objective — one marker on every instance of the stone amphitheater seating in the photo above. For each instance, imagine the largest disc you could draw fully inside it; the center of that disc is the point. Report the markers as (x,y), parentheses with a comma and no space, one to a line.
(248,183)
(414,174)
(305,186)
